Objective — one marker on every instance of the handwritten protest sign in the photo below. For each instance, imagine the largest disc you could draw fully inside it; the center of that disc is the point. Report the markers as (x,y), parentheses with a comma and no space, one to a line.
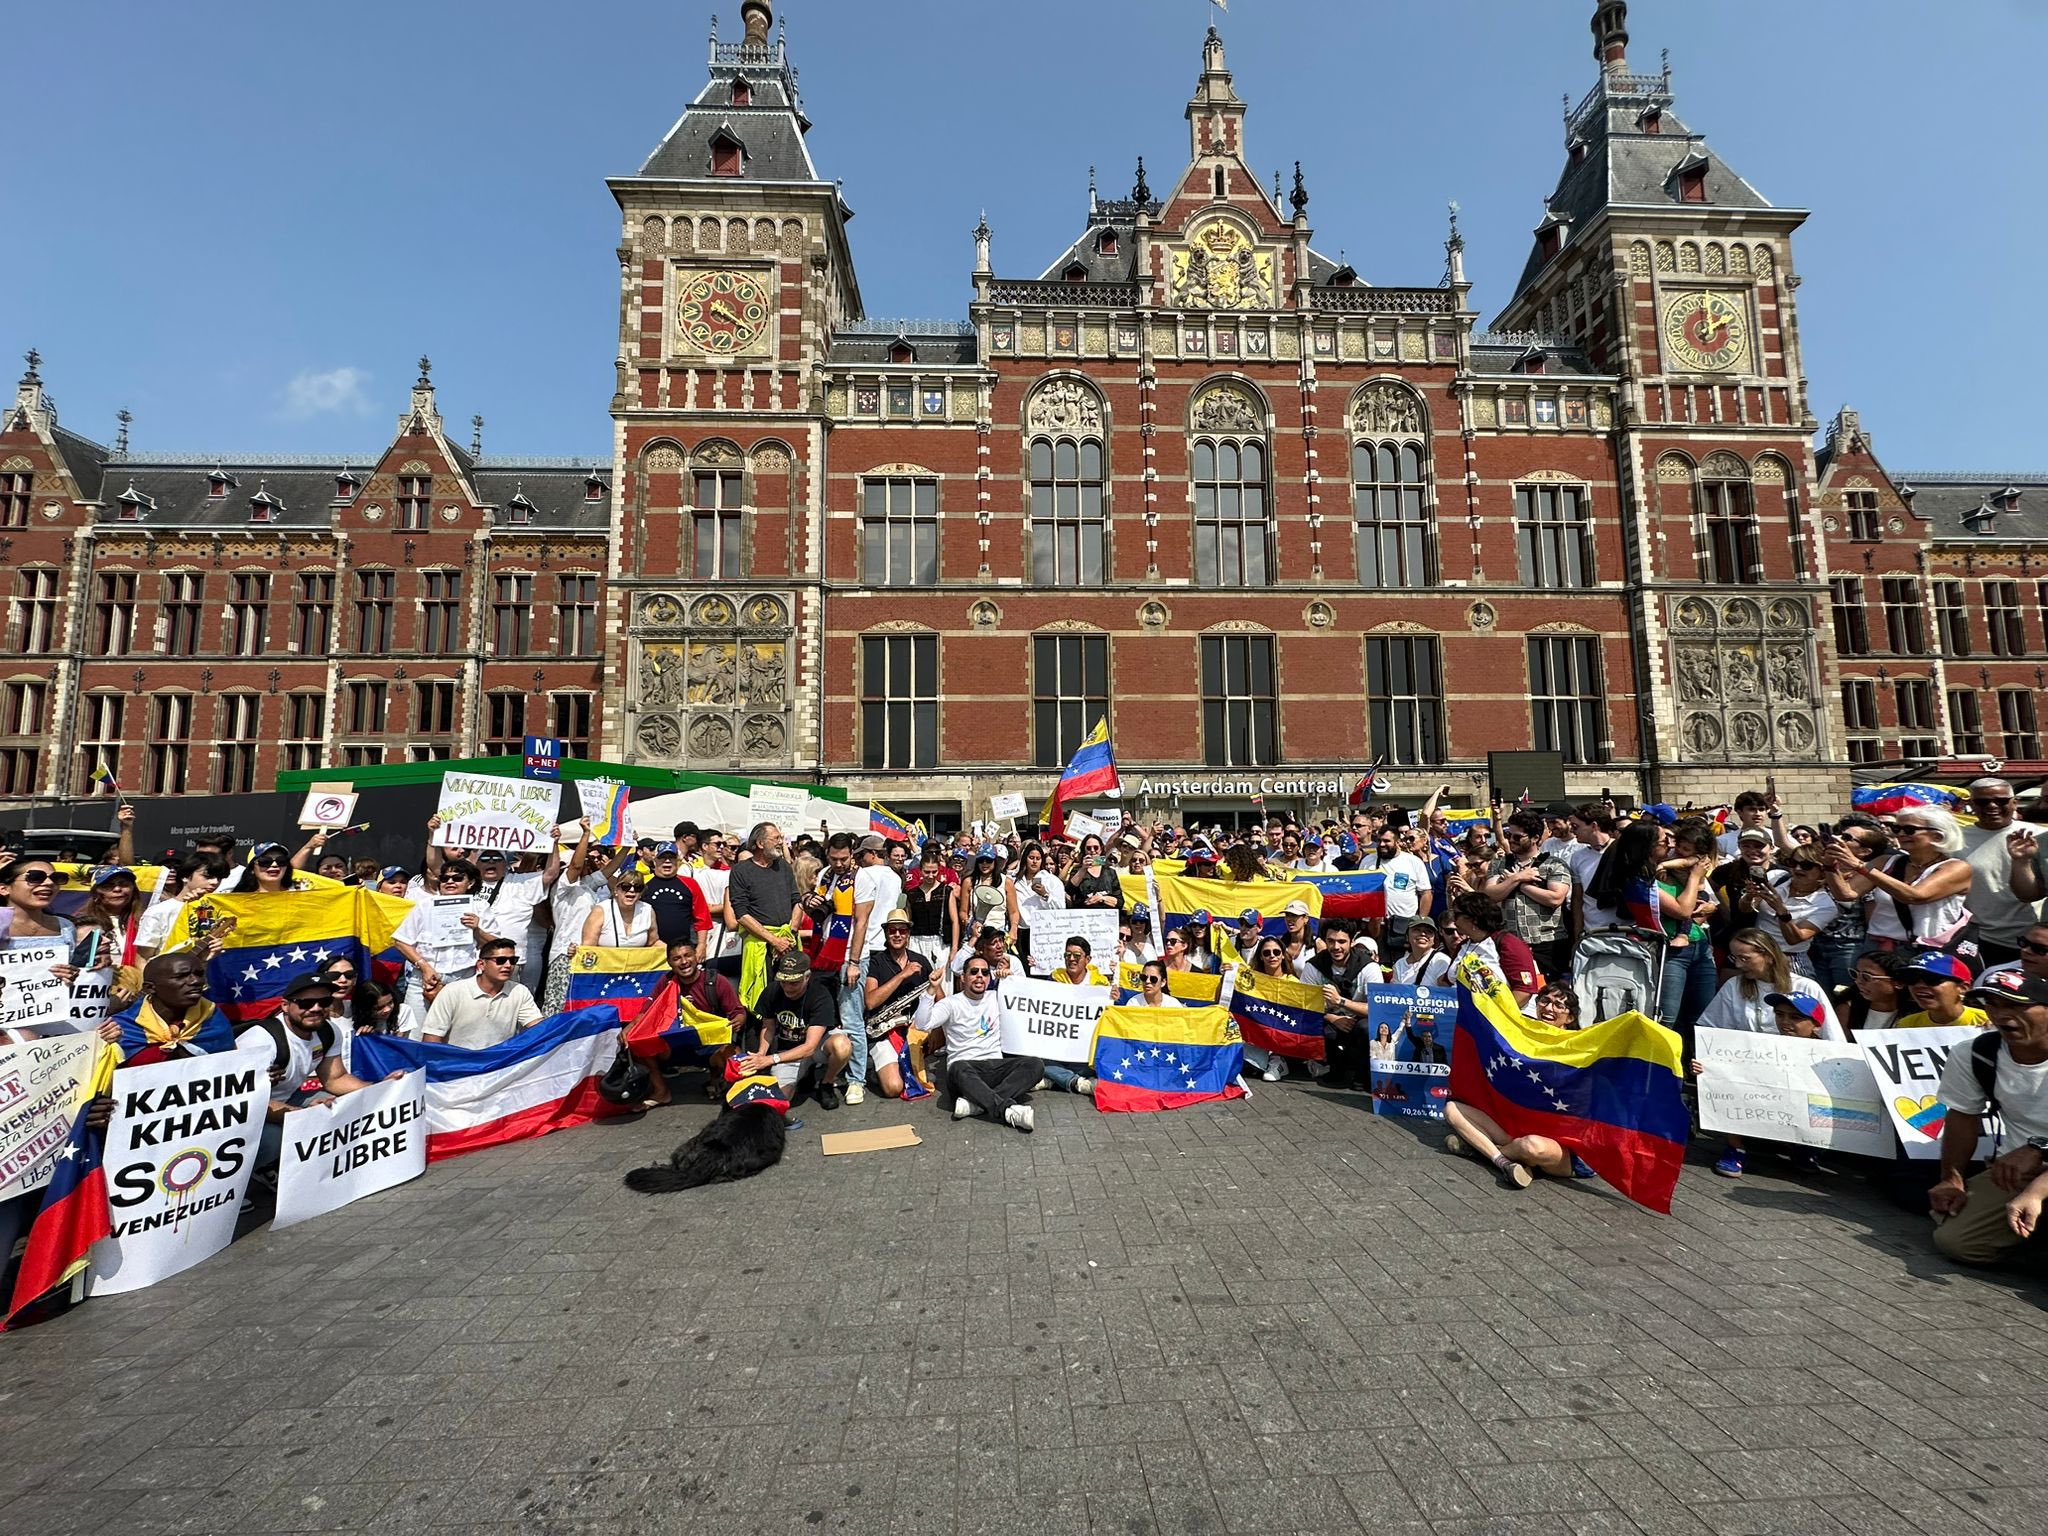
(1007,807)
(42,1084)
(1907,1065)
(604,806)
(1410,1031)
(480,811)
(1051,930)
(1051,1020)
(34,998)
(1080,825)
(780,803)
(180,1149)
(346,1148)
(1811,1093)
(92,996)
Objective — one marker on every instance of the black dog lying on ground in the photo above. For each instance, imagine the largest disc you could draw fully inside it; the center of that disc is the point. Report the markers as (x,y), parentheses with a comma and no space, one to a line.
(746,1138)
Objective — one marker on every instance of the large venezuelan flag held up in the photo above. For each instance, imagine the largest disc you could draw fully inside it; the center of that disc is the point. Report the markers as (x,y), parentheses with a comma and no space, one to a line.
(1609,1092)
(1355,894)
(620,978)
(268,941)
(1279,1014)
(1181,896)
(1092,772)
(1165,1058)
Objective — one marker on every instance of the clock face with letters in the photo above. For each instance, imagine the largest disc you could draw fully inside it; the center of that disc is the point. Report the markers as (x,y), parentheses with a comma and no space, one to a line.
(1706,332)
(722,312)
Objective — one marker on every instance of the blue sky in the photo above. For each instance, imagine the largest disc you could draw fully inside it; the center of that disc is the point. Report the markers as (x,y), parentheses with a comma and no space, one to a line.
(244,221)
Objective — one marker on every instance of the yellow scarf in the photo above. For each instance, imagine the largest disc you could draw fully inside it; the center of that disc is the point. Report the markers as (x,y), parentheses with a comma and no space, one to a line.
(158,1030)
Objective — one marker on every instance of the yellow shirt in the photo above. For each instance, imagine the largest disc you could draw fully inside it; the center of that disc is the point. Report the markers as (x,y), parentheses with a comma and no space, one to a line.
(1973,1018)
(1095,978)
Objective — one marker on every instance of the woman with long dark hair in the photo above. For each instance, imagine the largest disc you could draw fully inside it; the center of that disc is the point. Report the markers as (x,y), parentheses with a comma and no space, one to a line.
(114,910)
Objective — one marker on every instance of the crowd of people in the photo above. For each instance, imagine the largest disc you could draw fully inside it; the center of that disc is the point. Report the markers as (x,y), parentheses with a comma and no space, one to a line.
(849,964)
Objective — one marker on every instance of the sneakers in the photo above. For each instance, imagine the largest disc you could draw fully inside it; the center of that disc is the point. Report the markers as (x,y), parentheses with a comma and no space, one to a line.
(828,1095)
(962,1109)
(1516,1175)
(1730,1165)
(1020,1116)
(1455,1145)
(855,1093)
(1085,1086)
(1276,1069)
(1043,1085)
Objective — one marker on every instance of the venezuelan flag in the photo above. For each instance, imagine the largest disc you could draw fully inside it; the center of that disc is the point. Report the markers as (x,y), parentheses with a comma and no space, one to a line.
(1092,772)
(829,938)
(1279,1014)
(624,978)
(1459,822)
(73,1214)
(671,1025)
(1608,1092)
(1195,987)
(1358,893)
(270,940)
(1165,1058)
(1181,896)
(1884,799)
(889,824)
(608,822)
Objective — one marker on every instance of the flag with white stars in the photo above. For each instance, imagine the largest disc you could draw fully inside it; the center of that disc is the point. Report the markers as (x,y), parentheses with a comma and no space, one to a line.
(624,978)
(1165,1058)
(1608,1092)
(268,941)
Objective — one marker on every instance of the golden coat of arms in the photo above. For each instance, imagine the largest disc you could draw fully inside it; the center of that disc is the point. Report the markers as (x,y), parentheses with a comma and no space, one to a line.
(1220,268)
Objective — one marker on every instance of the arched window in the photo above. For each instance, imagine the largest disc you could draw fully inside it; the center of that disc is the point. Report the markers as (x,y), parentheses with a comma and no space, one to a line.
(1396,543)
(1730,552)
(1232,537)
(1066,512)
(717,497)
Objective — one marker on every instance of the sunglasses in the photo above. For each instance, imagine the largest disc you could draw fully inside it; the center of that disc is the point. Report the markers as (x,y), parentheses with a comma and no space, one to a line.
(977,970)
(630,890)
(2029,947)
(501,960)
(1153,981)
(1989,802)
(270,863)
(339,975)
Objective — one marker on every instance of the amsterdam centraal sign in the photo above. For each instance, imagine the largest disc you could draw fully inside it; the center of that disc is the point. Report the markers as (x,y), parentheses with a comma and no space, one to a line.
(1225,789)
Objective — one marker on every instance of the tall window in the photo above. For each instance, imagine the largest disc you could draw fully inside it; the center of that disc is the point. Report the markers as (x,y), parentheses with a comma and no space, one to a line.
(305,729)
(415,500)
(899,533)
(2018,726)
(1404,698)
(248,613)
(1965,722)
(20,768)
(1730,552)
(368,706)
(576,616)
(1852,624)
(239,726)
(1914,699)
(170,738)
(99,738)
(1553,536)
(511,615)
(313,613)
(1390,493)
(184,603)
(1069,693)
(17,489)
(433,707)
(715,524)
(113,613)
(1951,618)
(1240,713)
(375,594)
(2002,614)
(35,610)
(1905,625)
(441,626)
(899,701)
(362,755)
(505,724)
(1565,697)
(1066,513)
(569,714)
(23,714)
(1864,527)
(1231,536)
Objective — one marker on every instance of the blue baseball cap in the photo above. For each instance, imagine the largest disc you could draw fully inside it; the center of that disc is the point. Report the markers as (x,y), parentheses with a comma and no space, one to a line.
(1199,919)
(661,848)
(1942,967)
(394,872)
(1140,913)
(107,872)
(1813,1008)
(1251,915)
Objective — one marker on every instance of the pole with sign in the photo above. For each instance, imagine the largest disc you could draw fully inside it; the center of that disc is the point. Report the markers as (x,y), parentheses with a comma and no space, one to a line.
(543,758)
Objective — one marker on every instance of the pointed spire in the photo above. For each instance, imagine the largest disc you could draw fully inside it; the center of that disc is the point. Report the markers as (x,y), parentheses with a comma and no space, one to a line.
(1141,193)
(1091,191)
(476,437)
(123,417)
(34,359)
(1298,198)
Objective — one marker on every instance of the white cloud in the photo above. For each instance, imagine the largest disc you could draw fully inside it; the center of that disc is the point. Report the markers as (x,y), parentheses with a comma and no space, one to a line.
(337,392)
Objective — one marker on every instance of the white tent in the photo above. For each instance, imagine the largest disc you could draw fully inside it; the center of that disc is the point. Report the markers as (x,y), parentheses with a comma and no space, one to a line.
(654,816)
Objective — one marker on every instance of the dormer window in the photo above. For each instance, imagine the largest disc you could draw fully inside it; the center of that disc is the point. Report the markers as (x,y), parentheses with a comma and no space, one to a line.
(1652,121)
(743,92)
(901,351)
(1550,240)
(2009,499)
(1076,272)
(593,487)
(1105,243)
(264,507)
(1535,362)
(519,511)
(345,487)
(131,504)
(1344,276)
(728,155)
(218,484)
(1578,152)
(1691,177)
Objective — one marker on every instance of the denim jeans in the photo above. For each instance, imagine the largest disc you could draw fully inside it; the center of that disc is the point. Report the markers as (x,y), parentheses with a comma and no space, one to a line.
(853,1018)
(1689,985)
(1062,1074)
(1834,960)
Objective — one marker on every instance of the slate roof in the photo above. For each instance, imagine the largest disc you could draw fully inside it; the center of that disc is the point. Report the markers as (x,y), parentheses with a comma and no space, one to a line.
(873,347)
(557,496)
(1960,507)
(1122,266)
(770,128)
(1508,359)
(84,458)
(180,493)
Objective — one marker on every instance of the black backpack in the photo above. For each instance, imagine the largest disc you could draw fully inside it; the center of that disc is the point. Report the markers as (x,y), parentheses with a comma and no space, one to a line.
(274,1027)
(1984,1066)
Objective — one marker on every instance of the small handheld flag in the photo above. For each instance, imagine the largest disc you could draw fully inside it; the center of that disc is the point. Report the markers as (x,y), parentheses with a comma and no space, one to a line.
(102,774)
(889,824)
(1092,772)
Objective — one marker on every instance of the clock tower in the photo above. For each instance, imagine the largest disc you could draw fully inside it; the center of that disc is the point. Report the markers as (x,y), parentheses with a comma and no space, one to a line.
(1675,274)
(734,273)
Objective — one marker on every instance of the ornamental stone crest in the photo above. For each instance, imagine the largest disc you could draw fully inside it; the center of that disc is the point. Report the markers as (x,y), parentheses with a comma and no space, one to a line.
(1220,268)
(1064,405)
(710,679)
(1387,409)
(1743,676)
(1227,407)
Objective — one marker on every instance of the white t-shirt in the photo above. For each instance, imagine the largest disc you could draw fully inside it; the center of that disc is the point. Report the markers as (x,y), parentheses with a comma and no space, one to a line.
(1584,859)
(511,907)
(712,882)
(1166,1000)
(473,1020)
(2022,1093)
(1819,909)
(572,901)
(444,946)
(1030,901)
(154,926)
(2001,916)
(1931,919)
(1407,878)
(305,1053)
(974,1029)
(1731,1010)
(883,887)
(1560,847)
(1429,972)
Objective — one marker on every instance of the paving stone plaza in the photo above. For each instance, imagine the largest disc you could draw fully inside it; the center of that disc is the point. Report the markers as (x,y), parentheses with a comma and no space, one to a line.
(1279,1315)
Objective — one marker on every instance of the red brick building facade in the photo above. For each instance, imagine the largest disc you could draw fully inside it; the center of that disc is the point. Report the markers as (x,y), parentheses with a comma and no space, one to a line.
(1274,519)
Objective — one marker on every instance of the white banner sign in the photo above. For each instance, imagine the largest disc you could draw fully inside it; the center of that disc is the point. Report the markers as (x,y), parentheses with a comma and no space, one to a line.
(180,1150)
(32,997)
(781,804)
(92,998)
(515,815)
(328,807)
(42,1084)
(1051,1020)
(1080,825)
(1051,930)
(339,1151)
(595,797)
(440,920)
(1010,806)
(1812,1093)
(1907,1064)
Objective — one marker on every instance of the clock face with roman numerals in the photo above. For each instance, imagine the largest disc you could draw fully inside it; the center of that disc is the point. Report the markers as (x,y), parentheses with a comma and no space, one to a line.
(723,313)
(1706,332)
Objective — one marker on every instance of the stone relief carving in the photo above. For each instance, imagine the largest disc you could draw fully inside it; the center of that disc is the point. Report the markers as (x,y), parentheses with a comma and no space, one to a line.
(1319,615)
(762,736)
(1228,408)
(1387,409)
(715,688)
(711,674)
(1064,405)
(1787,671)
(765,612)
(710,736)
(1154,615)
(1795,732)
(659,735)
(984,615)
(712,613)
(1748,734)
(1698,675)
(762,675)
(1743,677)
(1220,268)
(1482,617)
(661,610)
(1701,735)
